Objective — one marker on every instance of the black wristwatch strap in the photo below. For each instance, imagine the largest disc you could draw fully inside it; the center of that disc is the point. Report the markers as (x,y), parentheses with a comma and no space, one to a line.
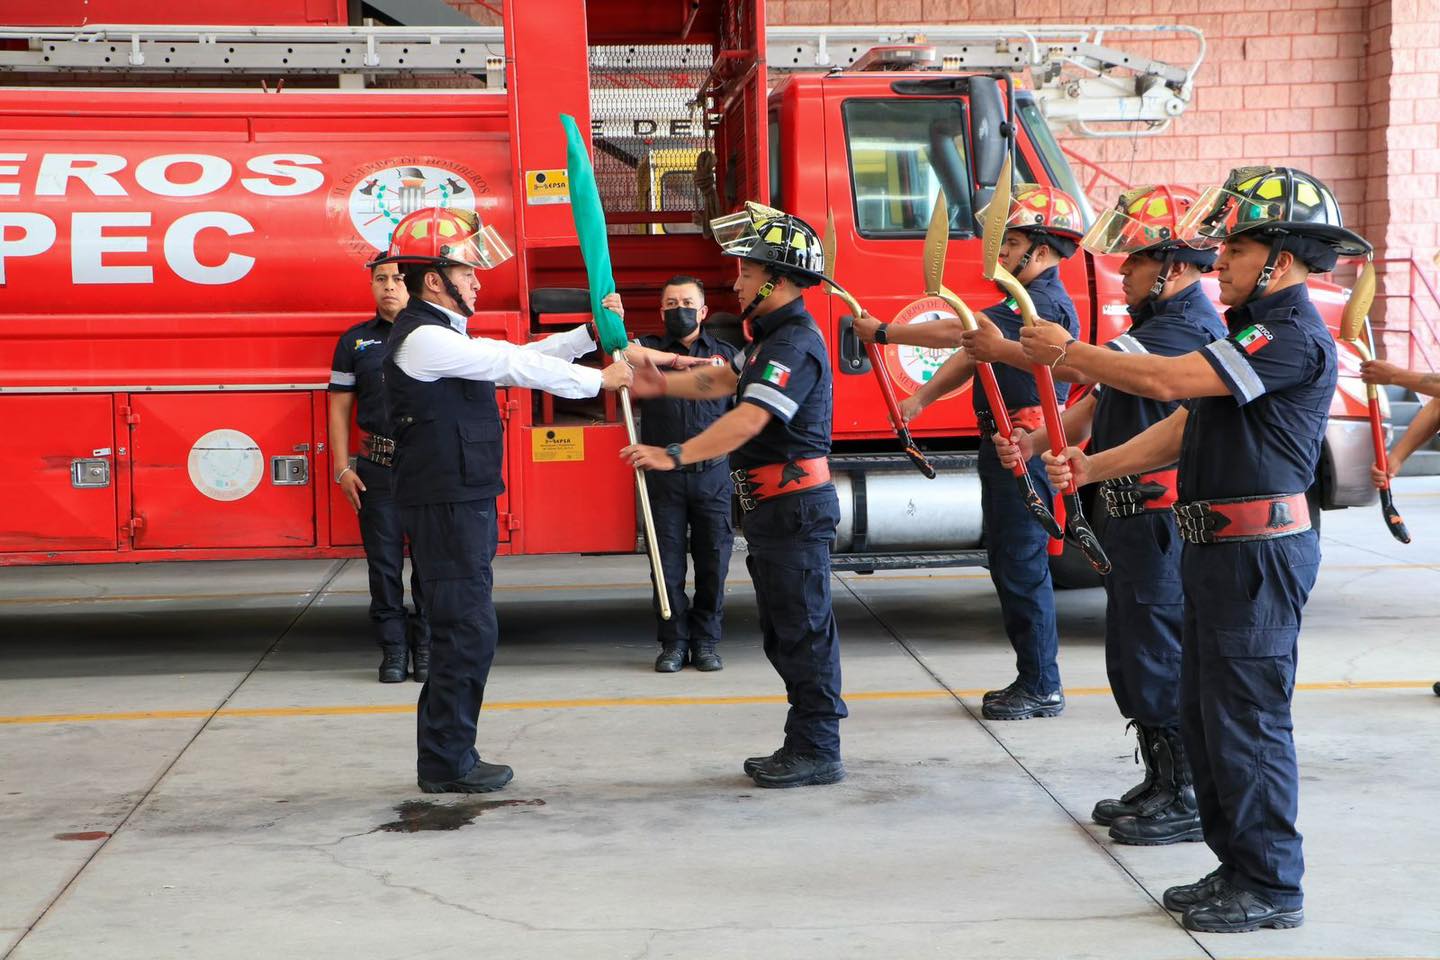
(674,451)
(881,336)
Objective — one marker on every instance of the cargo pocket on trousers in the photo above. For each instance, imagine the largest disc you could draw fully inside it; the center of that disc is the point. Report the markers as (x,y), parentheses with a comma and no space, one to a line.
(1253,642)
(1157,593)
(481,449)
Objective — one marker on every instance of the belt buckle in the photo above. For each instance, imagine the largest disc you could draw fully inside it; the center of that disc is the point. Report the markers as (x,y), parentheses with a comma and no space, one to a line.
(1195,521)
(741,479)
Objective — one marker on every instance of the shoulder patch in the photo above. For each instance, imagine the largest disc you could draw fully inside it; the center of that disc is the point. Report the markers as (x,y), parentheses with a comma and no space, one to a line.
(1254,339)
(776,373)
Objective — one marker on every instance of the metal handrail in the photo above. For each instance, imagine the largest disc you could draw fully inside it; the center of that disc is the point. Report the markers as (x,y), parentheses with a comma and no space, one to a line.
(1420,319)
(1099,171)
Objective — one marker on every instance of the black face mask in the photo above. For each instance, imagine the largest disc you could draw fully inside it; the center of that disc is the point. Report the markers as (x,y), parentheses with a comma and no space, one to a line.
(680,322)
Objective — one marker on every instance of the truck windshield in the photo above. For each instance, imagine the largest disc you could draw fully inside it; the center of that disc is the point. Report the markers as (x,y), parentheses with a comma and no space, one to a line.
(895,147)
(1055,162)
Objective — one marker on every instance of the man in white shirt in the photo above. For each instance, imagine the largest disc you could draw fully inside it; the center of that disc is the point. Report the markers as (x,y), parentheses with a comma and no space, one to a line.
(449,444)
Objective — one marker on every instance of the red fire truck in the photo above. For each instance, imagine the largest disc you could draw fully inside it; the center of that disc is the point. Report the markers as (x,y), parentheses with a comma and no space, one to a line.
(176,263)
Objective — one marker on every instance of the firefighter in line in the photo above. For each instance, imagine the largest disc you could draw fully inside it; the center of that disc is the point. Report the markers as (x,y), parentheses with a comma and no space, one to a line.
(448,444)
(778,440)
(1170,316)
(694,500)
(1043,229)
(357,388)
(1422,429)
(1248,436)
(1426,424)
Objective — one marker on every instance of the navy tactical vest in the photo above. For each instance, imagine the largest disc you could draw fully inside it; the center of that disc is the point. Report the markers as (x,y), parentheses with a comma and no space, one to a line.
(449,442)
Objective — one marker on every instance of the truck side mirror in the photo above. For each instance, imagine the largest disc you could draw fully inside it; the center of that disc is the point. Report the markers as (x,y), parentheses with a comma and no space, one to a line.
(989,134)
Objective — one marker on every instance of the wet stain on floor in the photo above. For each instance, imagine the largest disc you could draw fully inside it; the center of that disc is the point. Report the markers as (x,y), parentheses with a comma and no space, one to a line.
(417,815)
(83,835)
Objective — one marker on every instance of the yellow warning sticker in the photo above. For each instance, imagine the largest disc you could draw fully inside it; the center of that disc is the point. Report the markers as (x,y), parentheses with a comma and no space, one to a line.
(554,444)
(547,186)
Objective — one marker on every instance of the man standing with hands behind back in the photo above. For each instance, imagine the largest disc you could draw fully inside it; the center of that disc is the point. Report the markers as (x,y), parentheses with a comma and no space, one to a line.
(695,497)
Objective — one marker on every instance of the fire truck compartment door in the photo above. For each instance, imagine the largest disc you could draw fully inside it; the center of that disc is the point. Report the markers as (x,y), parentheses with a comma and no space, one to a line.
(215,470)
(57,466)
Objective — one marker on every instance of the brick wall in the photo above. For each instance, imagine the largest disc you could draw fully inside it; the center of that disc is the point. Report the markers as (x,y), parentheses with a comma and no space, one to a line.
(1346,89)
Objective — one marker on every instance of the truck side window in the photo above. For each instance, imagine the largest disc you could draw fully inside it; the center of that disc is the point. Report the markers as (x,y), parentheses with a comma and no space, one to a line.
(1057,166)
(901,152)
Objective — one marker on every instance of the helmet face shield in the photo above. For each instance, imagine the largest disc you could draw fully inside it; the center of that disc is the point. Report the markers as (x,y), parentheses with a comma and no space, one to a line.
(446,235)
(735,232)
(1220,212)
(770,236)
(1116,232)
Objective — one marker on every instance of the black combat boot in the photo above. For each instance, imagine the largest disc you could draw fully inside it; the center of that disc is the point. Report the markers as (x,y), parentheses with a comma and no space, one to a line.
(1020,704)
(1169,814)
(672,658)
(704,658)
(1240,911)
(1128,805)
(754,763)
(1004,691)
(797,770)
(482,778)
(419,632)
(1187,895)
(392,664)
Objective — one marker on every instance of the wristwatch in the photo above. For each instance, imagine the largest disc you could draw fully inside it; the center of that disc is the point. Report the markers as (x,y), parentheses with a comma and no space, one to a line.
(673,450)
(880,335)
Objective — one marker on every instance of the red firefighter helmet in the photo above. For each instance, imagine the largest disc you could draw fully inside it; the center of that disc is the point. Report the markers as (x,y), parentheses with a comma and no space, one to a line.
(445,237)
(1147,220)
(1041,209)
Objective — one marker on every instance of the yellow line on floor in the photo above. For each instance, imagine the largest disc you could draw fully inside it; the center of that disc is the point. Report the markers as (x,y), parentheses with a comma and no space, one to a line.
(606,702)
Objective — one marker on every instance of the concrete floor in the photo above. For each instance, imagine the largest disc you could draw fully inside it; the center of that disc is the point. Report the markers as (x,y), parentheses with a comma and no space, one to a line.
(195,761)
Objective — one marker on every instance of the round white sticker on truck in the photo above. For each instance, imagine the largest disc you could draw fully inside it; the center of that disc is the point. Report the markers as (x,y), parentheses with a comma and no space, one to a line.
(226,465)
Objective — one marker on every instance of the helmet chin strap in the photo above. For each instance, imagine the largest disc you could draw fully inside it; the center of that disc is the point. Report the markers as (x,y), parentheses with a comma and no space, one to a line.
(765,290)
(453,292)
(1267,271)
(1025,260)
(1161,278)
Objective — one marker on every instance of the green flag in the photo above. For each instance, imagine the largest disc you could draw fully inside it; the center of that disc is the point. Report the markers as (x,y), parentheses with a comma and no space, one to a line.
(594,241)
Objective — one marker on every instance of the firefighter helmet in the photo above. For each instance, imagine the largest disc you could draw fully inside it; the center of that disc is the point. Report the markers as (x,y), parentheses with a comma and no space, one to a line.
(445,237)
(786,244)
(1273,203)
(1049,215)
(1147,220)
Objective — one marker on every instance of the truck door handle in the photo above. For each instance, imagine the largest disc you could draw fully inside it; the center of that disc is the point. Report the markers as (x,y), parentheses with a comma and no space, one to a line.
(289,471)
(853,358)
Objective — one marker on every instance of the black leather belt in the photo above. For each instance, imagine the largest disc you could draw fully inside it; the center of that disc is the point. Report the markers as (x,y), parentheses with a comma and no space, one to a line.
(703,465)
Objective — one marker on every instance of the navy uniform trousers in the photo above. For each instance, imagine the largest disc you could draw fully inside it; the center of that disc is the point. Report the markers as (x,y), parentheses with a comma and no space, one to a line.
(452,546)
(1019,561)
(789,542)
(1237,678)
(1144,610)
(384,538)
(696,503)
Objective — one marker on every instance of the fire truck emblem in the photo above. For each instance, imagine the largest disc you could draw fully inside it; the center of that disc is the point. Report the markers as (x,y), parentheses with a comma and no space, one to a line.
(382,198)
(912,367)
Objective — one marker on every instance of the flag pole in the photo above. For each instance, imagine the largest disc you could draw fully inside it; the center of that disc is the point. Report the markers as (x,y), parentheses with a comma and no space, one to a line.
(651,544)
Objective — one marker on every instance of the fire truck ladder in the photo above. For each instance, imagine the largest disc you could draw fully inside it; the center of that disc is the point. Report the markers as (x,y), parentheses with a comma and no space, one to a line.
(1076,80)
(344,51)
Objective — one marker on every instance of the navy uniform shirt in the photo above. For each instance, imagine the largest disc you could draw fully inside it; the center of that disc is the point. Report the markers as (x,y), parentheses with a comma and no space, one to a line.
(1051,303)
(785,371)
(664,420)
(1264,438)
(1171,328)
(357,369)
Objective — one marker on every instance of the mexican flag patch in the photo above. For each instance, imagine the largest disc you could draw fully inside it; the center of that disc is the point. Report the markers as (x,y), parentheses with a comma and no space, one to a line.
(1254,339)
(1013,304)
(776,373)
